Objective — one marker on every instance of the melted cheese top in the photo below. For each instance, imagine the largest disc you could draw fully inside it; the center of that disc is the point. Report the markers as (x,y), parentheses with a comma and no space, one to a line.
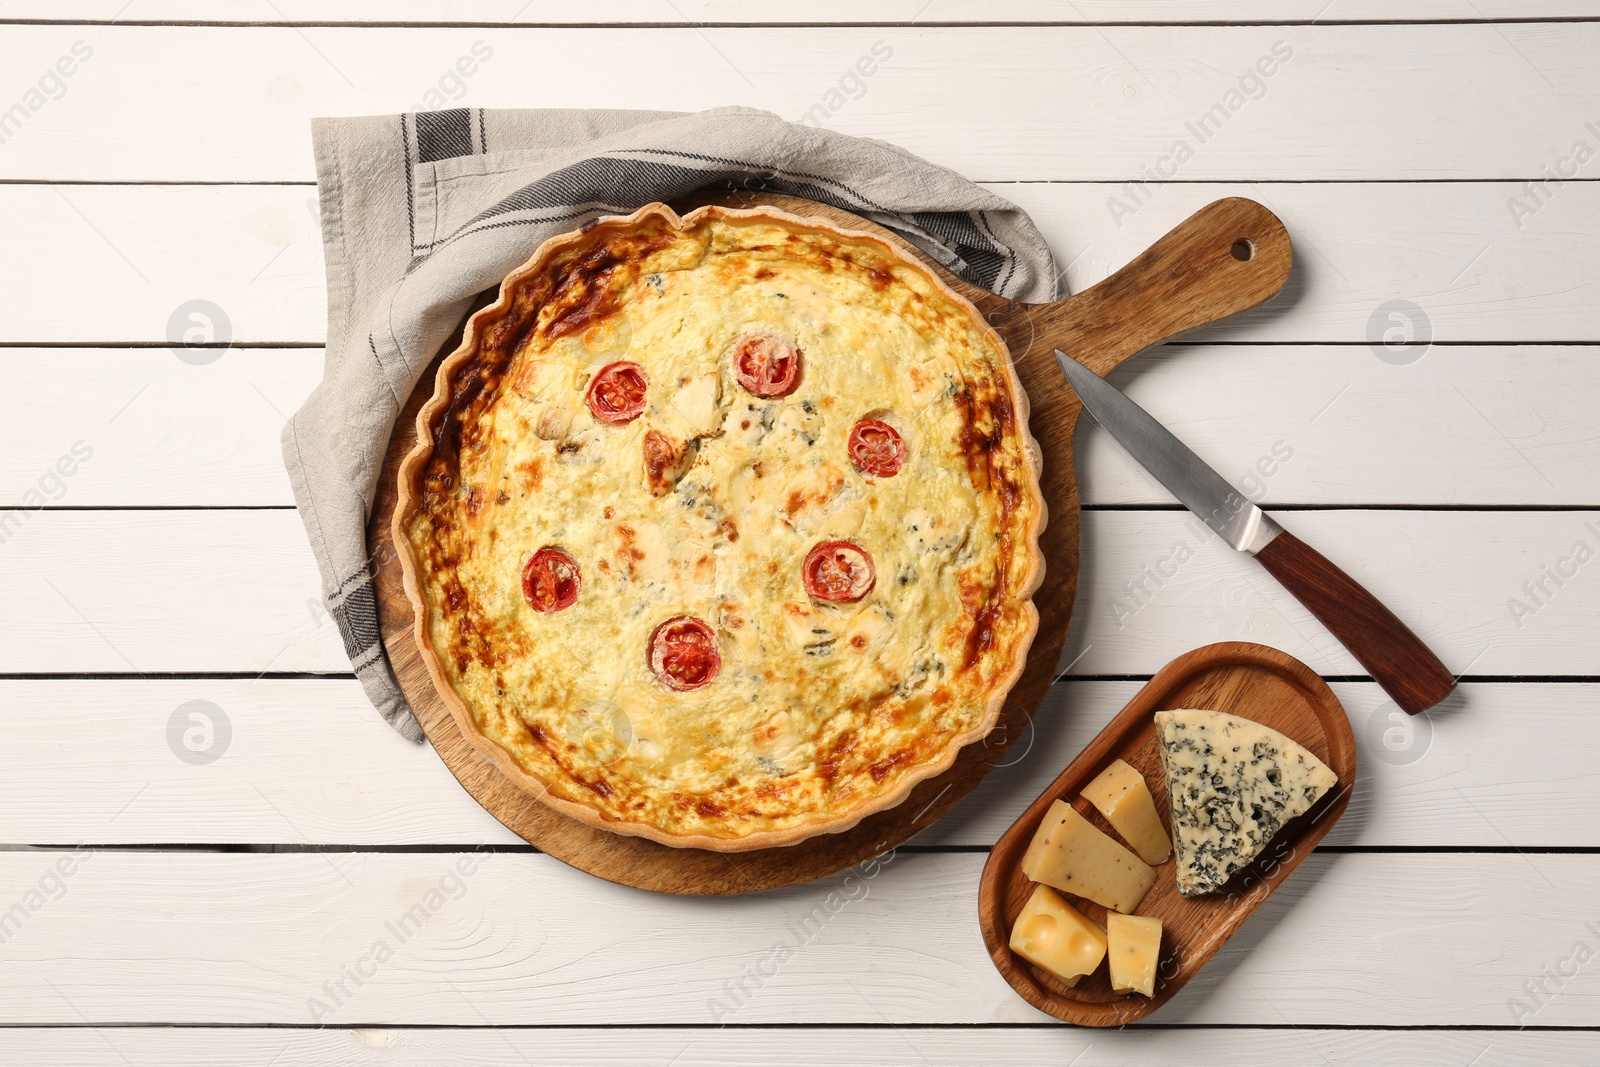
(818,707)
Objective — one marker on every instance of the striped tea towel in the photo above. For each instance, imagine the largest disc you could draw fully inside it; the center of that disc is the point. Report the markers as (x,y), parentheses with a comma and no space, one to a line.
(422,212)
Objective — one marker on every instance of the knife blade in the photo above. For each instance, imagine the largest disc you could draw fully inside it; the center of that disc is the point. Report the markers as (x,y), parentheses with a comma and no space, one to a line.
(1395,657)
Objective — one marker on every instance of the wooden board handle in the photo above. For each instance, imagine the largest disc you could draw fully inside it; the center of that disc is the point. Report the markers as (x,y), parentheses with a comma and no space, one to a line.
(1223,259)
(1227,257)
(1395,657)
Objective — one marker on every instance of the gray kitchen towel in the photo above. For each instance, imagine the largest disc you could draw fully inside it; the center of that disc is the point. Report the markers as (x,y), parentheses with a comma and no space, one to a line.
(422,212)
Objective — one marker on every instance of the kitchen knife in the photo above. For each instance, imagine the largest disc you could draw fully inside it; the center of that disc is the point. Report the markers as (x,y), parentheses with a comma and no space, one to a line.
(1395,657)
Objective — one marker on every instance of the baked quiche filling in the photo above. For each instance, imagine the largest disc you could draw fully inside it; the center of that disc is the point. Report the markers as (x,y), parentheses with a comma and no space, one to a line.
(728,526)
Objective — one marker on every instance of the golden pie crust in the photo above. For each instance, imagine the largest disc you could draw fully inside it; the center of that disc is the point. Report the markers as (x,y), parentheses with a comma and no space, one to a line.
(820,713)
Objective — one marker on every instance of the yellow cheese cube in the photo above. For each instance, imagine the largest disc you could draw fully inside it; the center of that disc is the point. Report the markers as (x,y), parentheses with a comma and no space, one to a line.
(1070,854)
(1056,936)
(1134,947)
(1121,795)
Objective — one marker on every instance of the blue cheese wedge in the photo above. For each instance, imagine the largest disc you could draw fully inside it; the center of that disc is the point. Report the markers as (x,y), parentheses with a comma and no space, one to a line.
(1231,784)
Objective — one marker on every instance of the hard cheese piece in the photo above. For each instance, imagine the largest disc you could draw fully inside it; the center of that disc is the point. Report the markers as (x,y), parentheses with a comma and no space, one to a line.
(1231,783)
(1056,936)
(1133,943)
(1069,853)
(1121,795)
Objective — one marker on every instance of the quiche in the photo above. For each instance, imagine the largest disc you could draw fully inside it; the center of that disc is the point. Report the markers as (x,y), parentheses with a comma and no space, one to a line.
(722,530)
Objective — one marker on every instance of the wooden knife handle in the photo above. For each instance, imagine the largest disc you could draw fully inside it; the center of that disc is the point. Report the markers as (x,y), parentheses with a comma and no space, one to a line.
(1395,657)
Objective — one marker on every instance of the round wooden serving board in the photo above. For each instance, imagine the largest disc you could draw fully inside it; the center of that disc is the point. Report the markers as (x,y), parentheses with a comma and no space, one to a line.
(1227,257)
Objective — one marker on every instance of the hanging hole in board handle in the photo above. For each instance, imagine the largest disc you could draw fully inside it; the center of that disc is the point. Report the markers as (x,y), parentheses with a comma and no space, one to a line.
(1244,250)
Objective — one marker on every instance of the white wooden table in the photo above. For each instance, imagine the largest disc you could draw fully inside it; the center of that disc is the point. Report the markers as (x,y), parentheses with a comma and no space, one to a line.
(226,906)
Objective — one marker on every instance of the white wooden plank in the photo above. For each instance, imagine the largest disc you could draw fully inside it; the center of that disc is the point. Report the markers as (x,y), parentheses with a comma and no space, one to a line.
(1081,102)
(1452,249)
(237,591)
(163,591)
(881,1046)
(1453,252)
(144,252)
(1478,425)
(259,778)
(1097,12)
(302,761)
(1423,939)
(158,430)
(1153,585)
(1420,782)
(1325,425)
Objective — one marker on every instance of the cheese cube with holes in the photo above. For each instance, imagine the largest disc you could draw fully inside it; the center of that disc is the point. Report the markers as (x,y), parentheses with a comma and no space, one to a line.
(1133,945)
(1056,936)
(1120,794)
(1070,854)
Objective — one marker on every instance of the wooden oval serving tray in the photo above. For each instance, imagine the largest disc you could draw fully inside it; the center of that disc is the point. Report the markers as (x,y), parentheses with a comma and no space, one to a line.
(1252,681)
(1227,257)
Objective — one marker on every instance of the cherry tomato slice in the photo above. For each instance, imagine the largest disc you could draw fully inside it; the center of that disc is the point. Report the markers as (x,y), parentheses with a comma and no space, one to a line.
(617,392)
(550,580)
(767,364)
(683,653)
(838,571)
(875,447)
